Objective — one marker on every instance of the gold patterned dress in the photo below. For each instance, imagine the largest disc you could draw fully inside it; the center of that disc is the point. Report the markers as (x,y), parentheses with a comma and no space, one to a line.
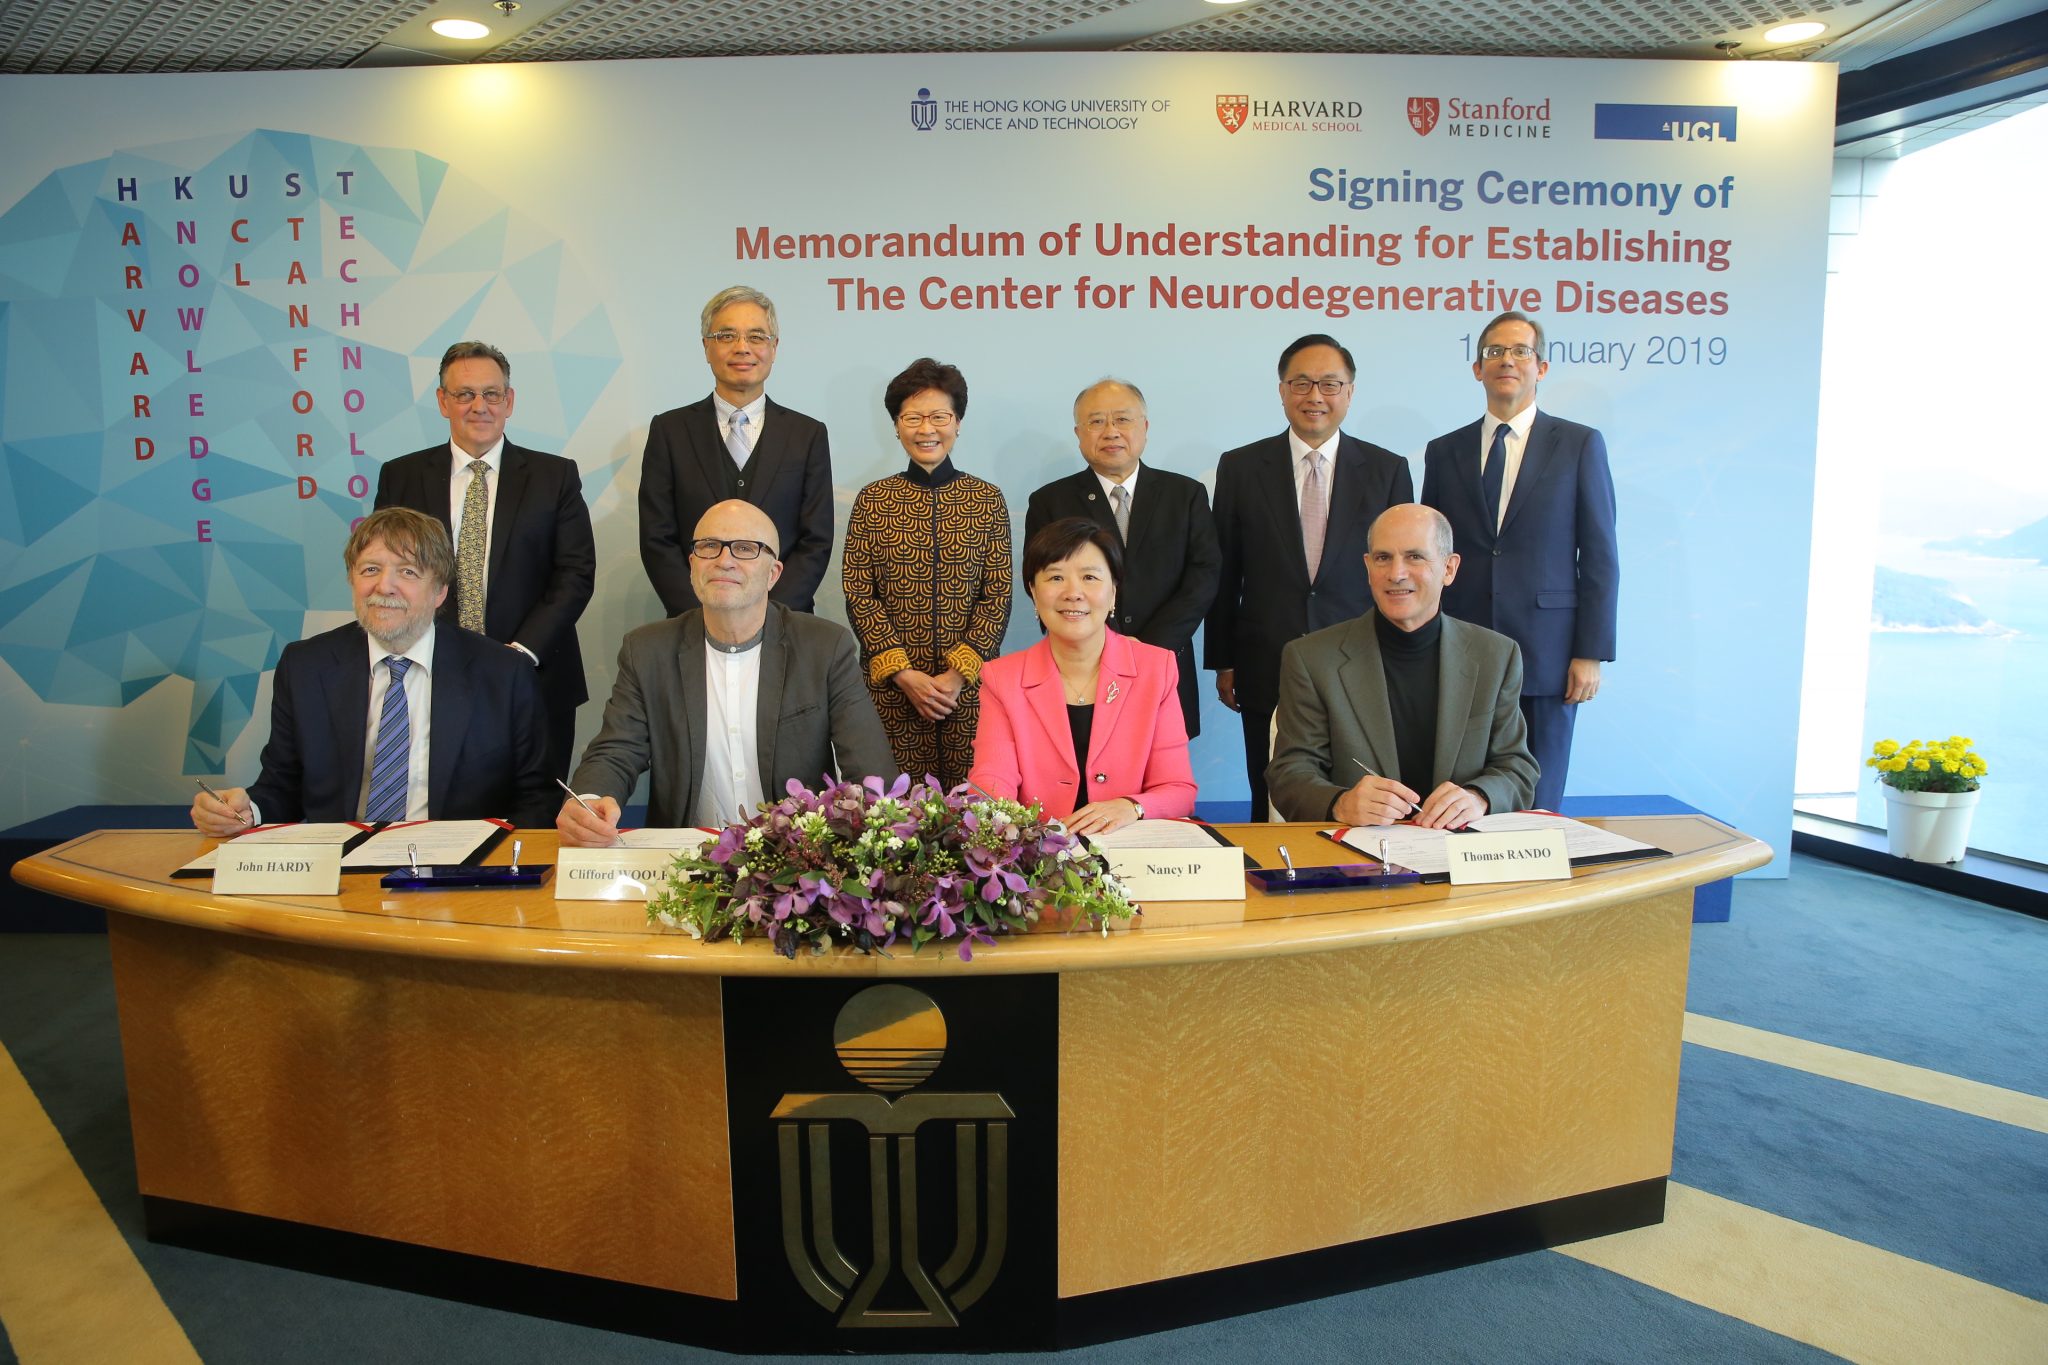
(927,574)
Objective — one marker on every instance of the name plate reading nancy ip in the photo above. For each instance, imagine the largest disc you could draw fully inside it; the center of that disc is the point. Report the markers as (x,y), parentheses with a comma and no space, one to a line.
(1179,874)
(611,874)
(277,869)
(1534,855)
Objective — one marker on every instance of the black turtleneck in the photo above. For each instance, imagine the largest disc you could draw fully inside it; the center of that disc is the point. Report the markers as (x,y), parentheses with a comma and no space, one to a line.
(938,476)
(1409,660)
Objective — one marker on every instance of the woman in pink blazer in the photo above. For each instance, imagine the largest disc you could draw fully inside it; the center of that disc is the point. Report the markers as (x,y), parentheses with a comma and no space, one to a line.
(1083,689)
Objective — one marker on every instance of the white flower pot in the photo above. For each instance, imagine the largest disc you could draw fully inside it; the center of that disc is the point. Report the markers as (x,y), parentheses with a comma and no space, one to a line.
(1929,827)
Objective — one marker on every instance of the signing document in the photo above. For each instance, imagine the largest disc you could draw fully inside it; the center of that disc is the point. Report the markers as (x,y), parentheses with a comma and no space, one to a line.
(425,842)
(1424,851)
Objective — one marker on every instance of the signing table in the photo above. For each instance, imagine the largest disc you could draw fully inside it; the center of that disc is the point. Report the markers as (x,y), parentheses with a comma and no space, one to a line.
(513,1099)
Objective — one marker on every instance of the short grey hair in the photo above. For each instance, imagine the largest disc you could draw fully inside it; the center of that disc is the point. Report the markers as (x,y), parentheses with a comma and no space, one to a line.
(731,294)
(1105,381)
(474,350)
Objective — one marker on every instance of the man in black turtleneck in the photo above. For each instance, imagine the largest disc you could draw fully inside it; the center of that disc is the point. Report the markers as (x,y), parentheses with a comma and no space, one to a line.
(1403,700)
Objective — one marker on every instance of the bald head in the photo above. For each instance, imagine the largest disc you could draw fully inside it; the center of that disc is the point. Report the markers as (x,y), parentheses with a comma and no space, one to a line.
(738,519)
(733,580)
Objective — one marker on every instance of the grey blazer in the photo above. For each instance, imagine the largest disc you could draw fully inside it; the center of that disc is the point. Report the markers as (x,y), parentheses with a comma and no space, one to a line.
(813,715)
(1333,713)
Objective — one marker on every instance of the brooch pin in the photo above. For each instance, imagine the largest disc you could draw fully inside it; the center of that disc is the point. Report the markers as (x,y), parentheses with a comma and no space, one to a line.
(1111,696)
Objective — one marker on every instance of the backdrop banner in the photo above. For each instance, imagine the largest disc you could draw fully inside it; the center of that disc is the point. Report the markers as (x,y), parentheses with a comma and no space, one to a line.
(223,297)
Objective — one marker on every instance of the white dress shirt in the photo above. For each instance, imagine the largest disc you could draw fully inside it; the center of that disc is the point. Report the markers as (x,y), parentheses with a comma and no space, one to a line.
(1301,449)
(730,788)
(1518,441)
(419,707)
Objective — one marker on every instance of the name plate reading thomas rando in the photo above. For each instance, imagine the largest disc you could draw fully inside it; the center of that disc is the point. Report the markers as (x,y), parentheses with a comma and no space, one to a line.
(611,874)
(277,869)
(1528,855)
(1173,860)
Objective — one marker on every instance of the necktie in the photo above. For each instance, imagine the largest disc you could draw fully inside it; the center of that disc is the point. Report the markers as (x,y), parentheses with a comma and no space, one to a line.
(469,549)
(1120,502)
(736,439)
(1491,477)
(1315,513)
(389,783)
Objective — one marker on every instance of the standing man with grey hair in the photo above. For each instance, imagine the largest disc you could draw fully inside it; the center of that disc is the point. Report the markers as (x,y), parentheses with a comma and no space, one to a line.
(525,561)
(737,443)
(1531,500)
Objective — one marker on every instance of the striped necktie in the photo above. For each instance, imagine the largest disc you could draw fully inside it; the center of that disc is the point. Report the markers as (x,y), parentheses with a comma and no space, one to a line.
(390,783)
(736,438)
(1120,501)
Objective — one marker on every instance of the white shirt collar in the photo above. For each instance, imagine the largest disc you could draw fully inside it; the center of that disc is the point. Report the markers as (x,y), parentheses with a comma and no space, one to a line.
(725,410)
(1129,485)
(492,457)
(1518,424)
(421,653)
(1301,448)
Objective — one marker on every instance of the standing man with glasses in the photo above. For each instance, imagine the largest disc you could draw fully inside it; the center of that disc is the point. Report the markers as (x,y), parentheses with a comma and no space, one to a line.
(727,702)
(1165,529)
(1531,506)
(525,561)
(737,443)
(1291,519)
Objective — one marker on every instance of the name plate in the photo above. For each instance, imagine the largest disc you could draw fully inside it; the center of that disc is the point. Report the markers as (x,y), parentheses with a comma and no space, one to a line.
(611,874)
(1531,855)
(277,869)
(1179,874)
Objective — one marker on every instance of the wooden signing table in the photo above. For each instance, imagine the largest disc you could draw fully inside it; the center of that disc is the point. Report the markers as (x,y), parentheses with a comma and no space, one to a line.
(502,1097)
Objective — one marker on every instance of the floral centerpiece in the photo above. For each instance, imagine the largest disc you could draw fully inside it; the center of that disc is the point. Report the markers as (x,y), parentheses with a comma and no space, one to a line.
(1949,765)
(1930,793)
(873,865)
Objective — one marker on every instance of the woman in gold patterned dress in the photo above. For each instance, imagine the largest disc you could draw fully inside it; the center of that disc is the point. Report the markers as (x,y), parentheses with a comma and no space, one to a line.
(927,575)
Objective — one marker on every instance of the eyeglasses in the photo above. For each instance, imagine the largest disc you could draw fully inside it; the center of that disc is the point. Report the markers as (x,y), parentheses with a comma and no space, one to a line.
(755,339)
(462,398)
(1120,422)
(1329,388)
(938,421)
(1519,352)
(711,548)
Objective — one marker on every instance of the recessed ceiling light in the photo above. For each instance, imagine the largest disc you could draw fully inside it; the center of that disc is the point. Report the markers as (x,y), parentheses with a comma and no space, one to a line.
(1795,33)
(466,30)
(1226,2)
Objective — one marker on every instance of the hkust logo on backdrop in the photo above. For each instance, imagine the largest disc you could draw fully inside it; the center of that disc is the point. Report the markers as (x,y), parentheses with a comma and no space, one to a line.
(1073,112)
(211,347)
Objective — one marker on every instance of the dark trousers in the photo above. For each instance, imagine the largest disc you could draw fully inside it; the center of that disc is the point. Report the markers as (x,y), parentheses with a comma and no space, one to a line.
(1550,740)
(1258,752)
(561,739)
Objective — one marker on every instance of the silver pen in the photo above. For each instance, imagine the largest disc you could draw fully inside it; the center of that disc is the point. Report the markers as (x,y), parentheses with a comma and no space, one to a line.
(577,799)
(1383,777)
(247,818)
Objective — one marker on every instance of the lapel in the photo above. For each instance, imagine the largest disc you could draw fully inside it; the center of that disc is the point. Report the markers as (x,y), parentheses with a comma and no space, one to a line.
(768,700)
(514,469)
(448,712)
(1347,490)
(1113,684)
(1537,454)
(1457,679)
(1466,450)
(1274,478)
(689,666)
(345,688)
(1088,501)
(766,461)
(440,468)
(712,459)
(1364,681)
(1047,697)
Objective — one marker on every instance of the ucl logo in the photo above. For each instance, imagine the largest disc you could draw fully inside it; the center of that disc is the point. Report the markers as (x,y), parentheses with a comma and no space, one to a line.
(1230,111)
(891,1039)
(924,112)
(1423,111)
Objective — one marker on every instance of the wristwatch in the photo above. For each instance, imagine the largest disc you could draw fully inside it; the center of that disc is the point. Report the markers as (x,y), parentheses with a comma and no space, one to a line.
(1137,806)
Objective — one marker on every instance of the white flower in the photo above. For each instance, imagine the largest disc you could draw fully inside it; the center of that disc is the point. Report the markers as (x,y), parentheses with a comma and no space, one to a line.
(753,838)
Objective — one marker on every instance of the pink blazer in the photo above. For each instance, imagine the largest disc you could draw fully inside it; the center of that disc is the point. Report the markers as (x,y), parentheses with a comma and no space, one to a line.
(1138,746)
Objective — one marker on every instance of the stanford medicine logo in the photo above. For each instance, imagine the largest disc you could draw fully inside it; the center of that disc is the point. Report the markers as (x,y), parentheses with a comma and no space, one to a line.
(1230,111)
(1422,113)
(1486,119)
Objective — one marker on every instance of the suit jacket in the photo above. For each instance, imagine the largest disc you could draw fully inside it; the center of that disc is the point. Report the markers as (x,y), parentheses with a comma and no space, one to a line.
(1334,714)
(687,469)
(543,560)
(813,715)
(1550,576)
(1138,746)
(486,749)
(1264,597)
(1170,562)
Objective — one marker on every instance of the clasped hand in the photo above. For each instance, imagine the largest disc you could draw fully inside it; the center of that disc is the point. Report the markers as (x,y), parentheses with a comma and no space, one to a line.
(934,698)
(1379,800)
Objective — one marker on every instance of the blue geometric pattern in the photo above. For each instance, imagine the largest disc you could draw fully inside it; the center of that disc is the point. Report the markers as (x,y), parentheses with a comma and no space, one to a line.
(167,509)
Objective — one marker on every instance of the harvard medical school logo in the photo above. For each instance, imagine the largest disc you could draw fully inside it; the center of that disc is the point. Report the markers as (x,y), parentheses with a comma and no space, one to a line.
(891,1039)
(1422,113)
(1664,122)
(1260,115)
(1230,111)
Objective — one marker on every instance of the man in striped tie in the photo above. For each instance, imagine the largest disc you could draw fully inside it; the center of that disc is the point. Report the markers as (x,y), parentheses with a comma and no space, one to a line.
(396,717)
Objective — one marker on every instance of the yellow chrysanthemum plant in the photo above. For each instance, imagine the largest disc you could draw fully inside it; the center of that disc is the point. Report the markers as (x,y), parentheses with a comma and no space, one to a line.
(1927,765)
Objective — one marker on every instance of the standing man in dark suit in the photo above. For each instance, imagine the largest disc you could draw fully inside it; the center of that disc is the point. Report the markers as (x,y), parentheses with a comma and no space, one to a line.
(726,703)
(737,443)
(525,561)
(1291,518)
(397,717)
(1167,534)
(1531,503)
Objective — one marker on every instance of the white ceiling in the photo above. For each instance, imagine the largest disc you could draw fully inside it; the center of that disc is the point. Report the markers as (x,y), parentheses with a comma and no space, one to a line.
(50,36)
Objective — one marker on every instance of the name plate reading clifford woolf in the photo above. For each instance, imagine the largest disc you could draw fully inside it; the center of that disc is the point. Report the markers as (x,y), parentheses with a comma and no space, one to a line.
(611,874)
(1532,855)
(278,869)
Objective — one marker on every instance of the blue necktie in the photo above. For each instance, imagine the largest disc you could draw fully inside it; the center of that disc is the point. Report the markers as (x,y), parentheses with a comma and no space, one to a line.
(736,439)
(389,782)
(1490,477)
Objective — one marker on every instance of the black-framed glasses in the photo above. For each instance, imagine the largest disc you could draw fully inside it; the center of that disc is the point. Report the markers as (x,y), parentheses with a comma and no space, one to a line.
(1518,351)
(710,547)
(1329,388)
